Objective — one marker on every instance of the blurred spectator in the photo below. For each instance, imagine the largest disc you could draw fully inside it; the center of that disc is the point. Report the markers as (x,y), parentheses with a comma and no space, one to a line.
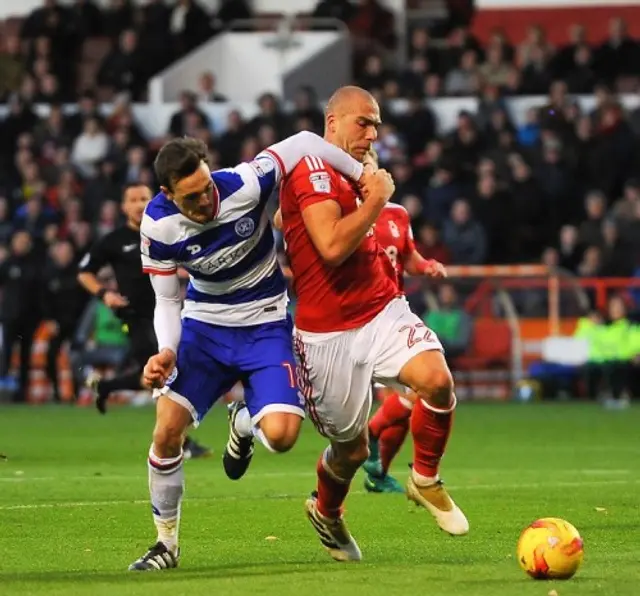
(207,88)
(591,228)
(189,26)
(342,10)
(430,246)
(188,117)
(450,322)
(123,69)
(90,148)
(12,66)
(463,80)
(464,236)
(21,281)
(63,303)
(618,55)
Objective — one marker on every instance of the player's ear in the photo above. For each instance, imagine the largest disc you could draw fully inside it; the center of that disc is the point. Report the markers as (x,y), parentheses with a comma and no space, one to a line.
(167,192)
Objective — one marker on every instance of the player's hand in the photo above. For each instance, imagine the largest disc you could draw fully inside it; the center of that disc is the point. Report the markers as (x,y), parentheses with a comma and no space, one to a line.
(435,269)
(158,368)
(377,186)
(115,300)
(370,162)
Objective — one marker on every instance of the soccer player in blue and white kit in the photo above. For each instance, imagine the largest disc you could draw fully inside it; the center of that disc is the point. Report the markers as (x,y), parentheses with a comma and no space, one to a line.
(234,325)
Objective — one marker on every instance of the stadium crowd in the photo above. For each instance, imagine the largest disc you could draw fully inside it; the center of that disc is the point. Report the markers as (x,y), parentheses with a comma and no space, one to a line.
(563,188)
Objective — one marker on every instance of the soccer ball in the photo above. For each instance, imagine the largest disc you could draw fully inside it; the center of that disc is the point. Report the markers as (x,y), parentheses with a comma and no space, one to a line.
(550,548)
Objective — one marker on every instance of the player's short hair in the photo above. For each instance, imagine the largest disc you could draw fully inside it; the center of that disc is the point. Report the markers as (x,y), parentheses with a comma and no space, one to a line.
(178,159)
(130,185)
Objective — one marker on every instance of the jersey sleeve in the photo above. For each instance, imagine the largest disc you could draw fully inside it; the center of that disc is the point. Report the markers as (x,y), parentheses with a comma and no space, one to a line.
(288,153)
(311,183)
(97,258)
(157,257)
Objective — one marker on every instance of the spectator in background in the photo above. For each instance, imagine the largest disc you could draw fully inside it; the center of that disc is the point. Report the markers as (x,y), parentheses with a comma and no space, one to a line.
(430,246)
(189,116)
(618,56)
(207,88)
(90,148)
(609,367)
(464,79)
(189,26)
(63,303)
(464,236)
(595,206)
(12,66)
(582,78)
(125,67)
(450,322)
(20,279)
(617,258)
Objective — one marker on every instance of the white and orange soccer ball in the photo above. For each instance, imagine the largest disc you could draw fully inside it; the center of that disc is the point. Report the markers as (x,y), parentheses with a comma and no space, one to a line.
(550,548)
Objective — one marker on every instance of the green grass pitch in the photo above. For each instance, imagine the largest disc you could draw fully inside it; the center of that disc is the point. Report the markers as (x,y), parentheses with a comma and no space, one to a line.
(74,509)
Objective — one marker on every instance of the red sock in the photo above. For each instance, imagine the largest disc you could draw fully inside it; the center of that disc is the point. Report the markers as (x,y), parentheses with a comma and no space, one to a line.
(392,411)
(430,432)
(331,491)
(390,442)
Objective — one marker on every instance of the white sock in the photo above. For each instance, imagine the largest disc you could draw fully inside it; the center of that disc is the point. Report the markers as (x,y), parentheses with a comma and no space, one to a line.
(166,486)
(421,480)
(243,424)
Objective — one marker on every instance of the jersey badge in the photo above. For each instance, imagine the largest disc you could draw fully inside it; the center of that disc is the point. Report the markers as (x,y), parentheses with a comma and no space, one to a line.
(245,227)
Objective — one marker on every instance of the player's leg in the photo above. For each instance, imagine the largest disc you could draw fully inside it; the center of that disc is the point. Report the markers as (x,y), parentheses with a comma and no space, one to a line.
(166,484)
(53,351)
(388,428)
(428,375)
(412,355)
(199,379)
(335,380)
(335,469)
(272,411)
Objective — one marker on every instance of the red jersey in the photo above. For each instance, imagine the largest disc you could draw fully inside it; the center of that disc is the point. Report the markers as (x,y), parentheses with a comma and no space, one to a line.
(331,298)
(393,232)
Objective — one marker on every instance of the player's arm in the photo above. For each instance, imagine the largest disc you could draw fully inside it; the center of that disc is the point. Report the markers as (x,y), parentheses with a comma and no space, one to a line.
(277,220)
(88,268)
(336,237)
(158,262)
(291,151)
(416,264)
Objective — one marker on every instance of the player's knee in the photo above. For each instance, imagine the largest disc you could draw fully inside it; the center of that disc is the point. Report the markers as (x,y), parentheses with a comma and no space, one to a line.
(167,440)
(436,388)
(358,455)
(281,430)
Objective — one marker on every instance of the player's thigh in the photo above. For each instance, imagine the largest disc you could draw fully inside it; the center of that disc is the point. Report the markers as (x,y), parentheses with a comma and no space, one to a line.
(336,387)
(408,352)
(201,375)
(268,369)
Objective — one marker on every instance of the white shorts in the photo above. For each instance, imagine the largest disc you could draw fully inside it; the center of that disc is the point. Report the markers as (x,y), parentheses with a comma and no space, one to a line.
(335,370)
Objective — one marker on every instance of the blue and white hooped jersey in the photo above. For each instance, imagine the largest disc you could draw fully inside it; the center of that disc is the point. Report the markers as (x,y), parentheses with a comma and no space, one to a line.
(235,279)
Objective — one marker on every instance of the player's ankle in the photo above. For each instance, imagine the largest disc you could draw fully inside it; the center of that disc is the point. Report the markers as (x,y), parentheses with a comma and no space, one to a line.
(426,478)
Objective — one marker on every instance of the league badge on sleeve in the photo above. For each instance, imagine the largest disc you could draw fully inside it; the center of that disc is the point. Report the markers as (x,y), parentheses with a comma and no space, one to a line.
(262,165)
(321,182)
(145,245)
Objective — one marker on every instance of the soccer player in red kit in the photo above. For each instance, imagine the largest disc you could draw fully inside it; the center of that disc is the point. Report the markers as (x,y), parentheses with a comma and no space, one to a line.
(389,426)
(353,325)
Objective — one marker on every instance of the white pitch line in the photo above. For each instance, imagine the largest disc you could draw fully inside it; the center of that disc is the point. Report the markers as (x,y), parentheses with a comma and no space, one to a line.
(196,500)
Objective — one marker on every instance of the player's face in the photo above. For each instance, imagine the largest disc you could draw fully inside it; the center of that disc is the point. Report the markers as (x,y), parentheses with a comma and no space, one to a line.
(195,195)
(357,128)
(134,202)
